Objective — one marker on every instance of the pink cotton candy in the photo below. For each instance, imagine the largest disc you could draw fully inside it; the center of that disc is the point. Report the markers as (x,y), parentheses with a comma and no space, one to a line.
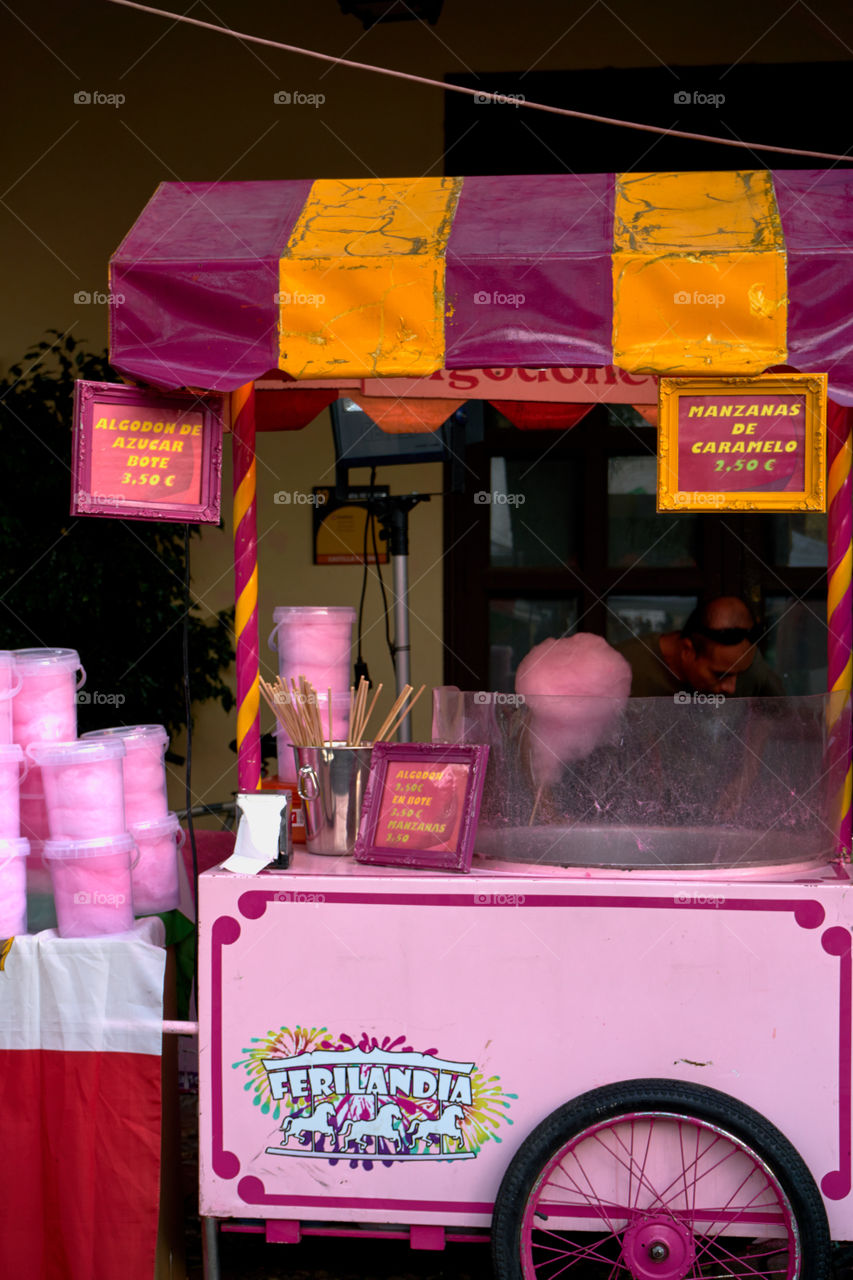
(145,806)
(144,768)
(11,761)
(93,894)
(145,794)
(10,683)
(10,807)
(86,824)
(13,887)
(575,689)
(315,642)
(45,707)
(36,829)
(53,724)
(34,816)
(83,786)
(155,876)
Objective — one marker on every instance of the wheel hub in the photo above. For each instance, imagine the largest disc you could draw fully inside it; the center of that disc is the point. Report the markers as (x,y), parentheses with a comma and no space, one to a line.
(658,1248)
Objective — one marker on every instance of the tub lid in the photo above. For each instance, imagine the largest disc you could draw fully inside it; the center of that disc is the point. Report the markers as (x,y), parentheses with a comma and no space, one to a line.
(156,827)
(130,733)
(14,848)
(44,660)
(311,613)
(76,752)
(7,658)
(96,848)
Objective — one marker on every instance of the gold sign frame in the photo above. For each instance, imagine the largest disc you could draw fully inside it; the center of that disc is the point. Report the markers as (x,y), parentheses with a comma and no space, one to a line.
(673,496)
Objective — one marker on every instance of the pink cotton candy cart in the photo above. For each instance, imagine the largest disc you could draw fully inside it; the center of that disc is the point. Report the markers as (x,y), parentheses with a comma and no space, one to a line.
(636,1067)
(614,1068)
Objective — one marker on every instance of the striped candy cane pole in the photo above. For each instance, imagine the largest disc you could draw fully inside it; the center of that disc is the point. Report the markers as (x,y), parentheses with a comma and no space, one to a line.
(246,588)
(840,605)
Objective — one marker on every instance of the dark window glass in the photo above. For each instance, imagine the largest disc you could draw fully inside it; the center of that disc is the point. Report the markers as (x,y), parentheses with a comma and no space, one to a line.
(534,513)
(636,534)
(629,616)
(515,626)
(796,643)
(799,540)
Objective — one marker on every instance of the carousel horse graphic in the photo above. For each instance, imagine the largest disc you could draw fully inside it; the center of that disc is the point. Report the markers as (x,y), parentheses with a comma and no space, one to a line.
(448,1125)
(318,1122)
(382,1126)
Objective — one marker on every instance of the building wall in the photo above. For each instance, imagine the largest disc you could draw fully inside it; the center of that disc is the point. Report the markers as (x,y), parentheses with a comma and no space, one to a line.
(198,106)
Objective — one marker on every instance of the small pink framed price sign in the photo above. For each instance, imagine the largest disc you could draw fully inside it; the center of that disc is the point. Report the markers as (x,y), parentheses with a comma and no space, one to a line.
(146,455)
(743,444)
(421,805)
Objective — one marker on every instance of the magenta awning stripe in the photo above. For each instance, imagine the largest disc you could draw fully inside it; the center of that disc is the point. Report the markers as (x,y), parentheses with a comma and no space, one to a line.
(816,210)
(546,239)
(528,277)
(194,283)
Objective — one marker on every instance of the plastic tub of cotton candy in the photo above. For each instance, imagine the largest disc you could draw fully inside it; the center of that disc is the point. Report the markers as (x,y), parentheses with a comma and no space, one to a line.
(575,690)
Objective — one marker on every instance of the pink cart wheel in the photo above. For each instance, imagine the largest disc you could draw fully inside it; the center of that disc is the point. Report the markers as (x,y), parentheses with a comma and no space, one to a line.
(658,1180)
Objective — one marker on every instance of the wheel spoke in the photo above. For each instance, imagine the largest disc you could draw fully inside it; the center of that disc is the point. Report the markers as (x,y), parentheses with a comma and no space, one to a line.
(725,1215)
(611,1198)
(716,1253)
(641,1173)
(589,1198)
(575,1251)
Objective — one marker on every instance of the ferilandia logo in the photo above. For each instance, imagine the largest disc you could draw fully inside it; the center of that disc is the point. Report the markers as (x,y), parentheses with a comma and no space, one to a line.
(371,1102)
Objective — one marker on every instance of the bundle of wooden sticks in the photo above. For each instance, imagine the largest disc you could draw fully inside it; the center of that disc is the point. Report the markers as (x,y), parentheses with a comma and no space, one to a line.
(297,709)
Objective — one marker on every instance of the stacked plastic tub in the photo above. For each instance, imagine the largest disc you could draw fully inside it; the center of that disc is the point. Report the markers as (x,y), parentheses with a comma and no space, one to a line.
(154,829)
(93,810)
(44,709)
(314,642)
(13,849)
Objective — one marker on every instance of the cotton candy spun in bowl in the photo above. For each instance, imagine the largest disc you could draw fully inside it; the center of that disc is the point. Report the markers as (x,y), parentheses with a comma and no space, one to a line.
(575,689)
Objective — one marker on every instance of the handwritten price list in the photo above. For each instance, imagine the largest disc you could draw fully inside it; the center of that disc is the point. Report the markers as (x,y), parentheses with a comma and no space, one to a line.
(151,459)
(422,806)
(741,442)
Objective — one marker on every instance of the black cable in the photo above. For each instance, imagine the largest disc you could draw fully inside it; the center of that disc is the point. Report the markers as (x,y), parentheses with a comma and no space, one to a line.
(188,772)
(359,662)
(391,648)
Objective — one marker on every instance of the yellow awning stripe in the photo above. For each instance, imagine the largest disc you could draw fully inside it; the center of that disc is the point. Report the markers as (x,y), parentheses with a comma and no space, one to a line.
(699,273)
(362,283)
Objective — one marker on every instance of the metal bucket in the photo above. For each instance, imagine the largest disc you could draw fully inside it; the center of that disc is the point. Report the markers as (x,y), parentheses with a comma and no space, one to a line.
(331,784)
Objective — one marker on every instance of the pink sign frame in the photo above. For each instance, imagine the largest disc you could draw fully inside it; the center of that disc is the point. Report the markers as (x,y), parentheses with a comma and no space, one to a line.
(168,450)
(411,783)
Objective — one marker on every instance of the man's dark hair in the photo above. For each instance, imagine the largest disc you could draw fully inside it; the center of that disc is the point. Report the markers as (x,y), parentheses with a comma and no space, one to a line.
(699,632)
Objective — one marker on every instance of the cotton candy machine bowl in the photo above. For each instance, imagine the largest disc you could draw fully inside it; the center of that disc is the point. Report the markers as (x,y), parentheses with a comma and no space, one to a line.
(652,848)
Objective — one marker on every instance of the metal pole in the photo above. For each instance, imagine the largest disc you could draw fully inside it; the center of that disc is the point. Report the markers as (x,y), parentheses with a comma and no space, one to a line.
(402,649)
(210,1249)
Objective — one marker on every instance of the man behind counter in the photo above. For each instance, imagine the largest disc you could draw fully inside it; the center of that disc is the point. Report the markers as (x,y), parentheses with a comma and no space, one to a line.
(714,652)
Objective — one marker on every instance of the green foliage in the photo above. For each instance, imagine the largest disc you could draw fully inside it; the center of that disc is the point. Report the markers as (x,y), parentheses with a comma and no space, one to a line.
(111,589)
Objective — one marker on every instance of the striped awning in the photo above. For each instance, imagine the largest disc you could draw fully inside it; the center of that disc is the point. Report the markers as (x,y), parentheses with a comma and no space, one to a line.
(664,273)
